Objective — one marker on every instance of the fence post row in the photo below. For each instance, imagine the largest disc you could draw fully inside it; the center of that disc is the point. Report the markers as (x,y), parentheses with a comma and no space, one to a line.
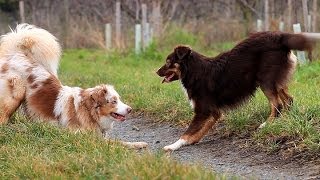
(143,31)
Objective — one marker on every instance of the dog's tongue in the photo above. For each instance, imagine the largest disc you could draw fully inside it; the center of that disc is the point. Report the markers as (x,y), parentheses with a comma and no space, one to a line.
(165,80)
(118,117)
(121,118)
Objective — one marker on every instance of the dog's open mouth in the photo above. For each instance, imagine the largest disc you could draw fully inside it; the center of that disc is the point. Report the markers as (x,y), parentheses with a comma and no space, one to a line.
(168,78)
(118,116)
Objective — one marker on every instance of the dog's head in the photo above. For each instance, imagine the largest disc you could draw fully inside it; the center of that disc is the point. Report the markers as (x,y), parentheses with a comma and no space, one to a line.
(171,70)
(107,104)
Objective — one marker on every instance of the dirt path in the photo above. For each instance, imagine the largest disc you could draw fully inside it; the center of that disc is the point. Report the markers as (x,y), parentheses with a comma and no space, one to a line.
(224,155)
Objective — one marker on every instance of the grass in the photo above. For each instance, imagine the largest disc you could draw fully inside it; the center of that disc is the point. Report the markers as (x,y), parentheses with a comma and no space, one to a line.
(302,122)
(135,79)
(39,150)
(300,125)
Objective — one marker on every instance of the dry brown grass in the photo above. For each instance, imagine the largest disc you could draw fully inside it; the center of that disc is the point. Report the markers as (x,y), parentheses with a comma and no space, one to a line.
(85,35)
(216,31)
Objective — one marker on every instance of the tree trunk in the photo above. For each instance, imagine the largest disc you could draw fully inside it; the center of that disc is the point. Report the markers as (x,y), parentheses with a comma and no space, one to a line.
(272,8)
(156,18)
(118,25)
(21,9)
(137,11)
(266,15)
(65,22)
(305,15)
(228,9)
(144,26)
(314,17)
(289,17)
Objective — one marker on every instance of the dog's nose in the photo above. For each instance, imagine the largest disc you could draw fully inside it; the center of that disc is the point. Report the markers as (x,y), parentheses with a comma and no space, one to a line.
(157,72)
(129,109)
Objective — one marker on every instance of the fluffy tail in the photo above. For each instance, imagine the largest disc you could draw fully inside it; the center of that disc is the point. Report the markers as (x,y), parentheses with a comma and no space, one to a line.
(302,41)
(37,44)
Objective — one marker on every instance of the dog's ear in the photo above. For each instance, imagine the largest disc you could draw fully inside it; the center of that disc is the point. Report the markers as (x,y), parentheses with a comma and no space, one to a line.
(98,96)
(182,51)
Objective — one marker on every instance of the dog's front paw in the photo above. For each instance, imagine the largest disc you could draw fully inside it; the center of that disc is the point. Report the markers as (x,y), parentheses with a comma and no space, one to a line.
(176,145)
(169,148)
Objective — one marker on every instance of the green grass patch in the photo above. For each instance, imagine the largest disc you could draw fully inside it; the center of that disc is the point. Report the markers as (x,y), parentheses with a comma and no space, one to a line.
(302,121)
(40,150)
(135,79)
(37,150)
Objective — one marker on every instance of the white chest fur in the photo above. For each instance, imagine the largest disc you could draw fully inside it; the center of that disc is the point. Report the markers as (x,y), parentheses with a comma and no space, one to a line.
(106,124)
(186,93)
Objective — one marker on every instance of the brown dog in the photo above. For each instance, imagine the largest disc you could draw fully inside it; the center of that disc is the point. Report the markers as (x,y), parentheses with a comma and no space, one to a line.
(216,84)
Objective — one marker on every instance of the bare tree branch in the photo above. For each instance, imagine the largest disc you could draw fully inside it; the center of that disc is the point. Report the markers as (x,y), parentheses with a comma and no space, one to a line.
(245,3)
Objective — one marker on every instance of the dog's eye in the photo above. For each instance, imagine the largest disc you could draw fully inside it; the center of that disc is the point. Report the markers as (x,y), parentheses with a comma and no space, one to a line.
(114,102)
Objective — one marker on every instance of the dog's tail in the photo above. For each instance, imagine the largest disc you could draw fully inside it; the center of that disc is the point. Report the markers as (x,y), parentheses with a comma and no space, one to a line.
(37,44)
(301,42)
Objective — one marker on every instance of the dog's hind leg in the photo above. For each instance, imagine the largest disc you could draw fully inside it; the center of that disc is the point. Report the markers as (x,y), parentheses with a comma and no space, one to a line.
(275,103)
(13,93)
(286,99)
(199,127)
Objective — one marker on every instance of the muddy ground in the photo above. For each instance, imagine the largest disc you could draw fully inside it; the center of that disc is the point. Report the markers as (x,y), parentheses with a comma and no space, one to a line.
(229,155)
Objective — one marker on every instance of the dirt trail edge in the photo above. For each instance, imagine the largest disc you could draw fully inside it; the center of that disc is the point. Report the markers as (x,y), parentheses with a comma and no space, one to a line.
(223,155)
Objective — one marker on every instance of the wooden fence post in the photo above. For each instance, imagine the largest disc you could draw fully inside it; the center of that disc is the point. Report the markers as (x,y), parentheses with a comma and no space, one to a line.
(281,26)
(108,36)
(138,38)
(259,25)
(300,54)
(309,23)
